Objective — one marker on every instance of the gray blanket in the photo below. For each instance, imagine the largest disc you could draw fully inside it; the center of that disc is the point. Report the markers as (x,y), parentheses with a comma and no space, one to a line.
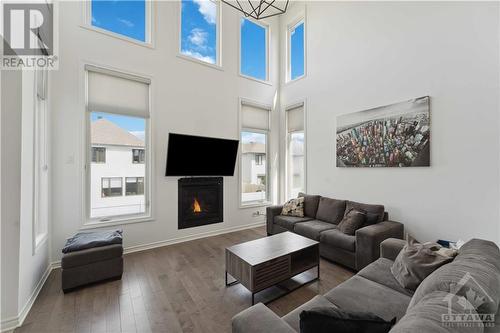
(88,240)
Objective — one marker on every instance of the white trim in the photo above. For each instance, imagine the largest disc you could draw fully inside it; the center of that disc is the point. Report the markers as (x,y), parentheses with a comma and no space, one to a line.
(269,108)
(218,39)
(300,18)
(149,22)
(87,222)
(14,322)
(267,28)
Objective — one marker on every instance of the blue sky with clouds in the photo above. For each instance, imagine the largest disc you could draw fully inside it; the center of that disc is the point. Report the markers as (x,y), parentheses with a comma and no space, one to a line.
(253,50)
(297,52)
(123,17)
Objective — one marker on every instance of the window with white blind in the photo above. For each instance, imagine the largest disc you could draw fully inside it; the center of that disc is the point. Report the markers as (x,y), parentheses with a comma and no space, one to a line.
(118,112)
(254,157)
(296,151)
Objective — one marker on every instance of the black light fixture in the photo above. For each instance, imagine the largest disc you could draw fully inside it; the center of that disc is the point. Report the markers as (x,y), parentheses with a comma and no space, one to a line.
(259,9)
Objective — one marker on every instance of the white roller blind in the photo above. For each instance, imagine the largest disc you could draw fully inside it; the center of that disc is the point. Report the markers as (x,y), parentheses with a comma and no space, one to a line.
(113,92)
(254,117)
(295,119)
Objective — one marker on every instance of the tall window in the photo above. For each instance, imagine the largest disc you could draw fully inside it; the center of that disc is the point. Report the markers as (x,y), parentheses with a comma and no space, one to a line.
(118,113)
(199,35)
(254,170)
(296,51)
(98,155)
(295,151)
(253,49)
(127,18)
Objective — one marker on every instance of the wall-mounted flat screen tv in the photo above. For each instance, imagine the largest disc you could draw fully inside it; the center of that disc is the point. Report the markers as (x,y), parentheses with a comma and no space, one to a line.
(190,155)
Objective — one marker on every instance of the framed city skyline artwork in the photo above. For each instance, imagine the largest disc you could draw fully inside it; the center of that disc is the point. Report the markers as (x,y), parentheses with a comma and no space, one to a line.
(396,135)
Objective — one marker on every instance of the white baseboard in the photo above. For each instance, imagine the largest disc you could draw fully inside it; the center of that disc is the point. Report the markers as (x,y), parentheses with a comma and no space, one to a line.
(13,322)
(154,245)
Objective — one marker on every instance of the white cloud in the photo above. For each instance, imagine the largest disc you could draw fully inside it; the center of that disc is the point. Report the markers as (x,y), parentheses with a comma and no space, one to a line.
(208,9)
(139,134)
(125,22)
(199,56)
(198,37)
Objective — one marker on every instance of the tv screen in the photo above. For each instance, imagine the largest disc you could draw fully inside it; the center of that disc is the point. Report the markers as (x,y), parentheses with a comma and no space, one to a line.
(190,155)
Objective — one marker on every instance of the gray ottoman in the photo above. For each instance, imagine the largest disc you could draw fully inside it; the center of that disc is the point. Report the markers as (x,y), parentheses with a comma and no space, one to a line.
(91,265)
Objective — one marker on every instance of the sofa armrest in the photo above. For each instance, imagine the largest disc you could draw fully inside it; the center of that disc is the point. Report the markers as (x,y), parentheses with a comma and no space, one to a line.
(391,247)
(259,319)
(368,240)
(271,212)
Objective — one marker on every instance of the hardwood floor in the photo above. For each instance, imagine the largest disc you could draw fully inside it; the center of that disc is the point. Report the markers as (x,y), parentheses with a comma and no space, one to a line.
(177,288)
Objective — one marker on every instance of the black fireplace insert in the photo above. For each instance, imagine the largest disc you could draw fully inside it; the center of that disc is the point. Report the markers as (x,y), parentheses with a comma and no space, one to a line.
(200,201)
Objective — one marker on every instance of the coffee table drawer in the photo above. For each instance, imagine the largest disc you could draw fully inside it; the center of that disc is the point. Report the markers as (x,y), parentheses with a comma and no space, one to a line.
(270,272)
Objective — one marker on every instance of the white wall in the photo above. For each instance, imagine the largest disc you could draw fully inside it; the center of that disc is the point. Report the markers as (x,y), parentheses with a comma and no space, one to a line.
(362,55)
(187,98)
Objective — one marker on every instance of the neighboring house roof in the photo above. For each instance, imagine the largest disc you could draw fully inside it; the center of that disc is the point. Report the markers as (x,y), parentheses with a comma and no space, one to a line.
(253,147)
(105,132)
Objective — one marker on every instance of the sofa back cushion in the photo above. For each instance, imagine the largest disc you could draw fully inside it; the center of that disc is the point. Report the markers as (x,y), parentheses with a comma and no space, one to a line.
(331,210)
(310,204)
(467,276)
(373,209)
(431,315)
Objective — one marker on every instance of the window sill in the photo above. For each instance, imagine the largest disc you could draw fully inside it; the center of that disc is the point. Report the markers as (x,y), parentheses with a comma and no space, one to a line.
(289,82)
(201,62)
(255,204)
(269,83)
(149,45)
(94,224)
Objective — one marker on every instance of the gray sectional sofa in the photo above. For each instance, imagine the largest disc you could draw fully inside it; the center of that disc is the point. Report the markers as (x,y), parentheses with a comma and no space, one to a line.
(447,291)
(321,216)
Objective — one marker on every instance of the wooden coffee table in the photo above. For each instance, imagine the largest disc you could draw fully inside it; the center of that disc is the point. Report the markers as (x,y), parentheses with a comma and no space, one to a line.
(268,261)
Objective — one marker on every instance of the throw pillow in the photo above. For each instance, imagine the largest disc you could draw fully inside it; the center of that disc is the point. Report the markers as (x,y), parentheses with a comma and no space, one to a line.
(333,319)
(352,221)
(416,261)
(293,207)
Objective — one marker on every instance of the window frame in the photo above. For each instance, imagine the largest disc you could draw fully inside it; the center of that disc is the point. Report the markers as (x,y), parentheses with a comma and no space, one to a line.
(287,147)
(92,155)
(149,23)
(109,187)
(267,27)
(268,200)
(290,27)
(218,39)
(143,156)
(101,222)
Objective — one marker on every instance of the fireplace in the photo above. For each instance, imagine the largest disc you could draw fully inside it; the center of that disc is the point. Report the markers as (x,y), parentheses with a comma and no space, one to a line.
(200,201)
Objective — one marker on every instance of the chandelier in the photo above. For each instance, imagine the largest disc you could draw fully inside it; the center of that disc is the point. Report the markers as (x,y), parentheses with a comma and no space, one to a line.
(259,9)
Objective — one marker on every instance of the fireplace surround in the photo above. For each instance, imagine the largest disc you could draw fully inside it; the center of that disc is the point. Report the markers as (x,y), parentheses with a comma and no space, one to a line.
(200,201)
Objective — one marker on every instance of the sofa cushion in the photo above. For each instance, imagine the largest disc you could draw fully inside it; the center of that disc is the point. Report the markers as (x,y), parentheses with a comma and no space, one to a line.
(89,256)
(330,319)
(361,294)
(293,319)
(480,250)
(289,221)
(427,316)
(331,210)
(380,271)
(336,238)
(374,209)
(310,204)
(352,221)
(461,277)
(312,229)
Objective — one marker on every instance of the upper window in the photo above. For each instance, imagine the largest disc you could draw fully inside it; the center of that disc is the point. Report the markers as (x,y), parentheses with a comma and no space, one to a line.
(98,155)
(118,114)
(254,166)
(124,17)
(199,31)
(138,155)
(296,51)
(253,50)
